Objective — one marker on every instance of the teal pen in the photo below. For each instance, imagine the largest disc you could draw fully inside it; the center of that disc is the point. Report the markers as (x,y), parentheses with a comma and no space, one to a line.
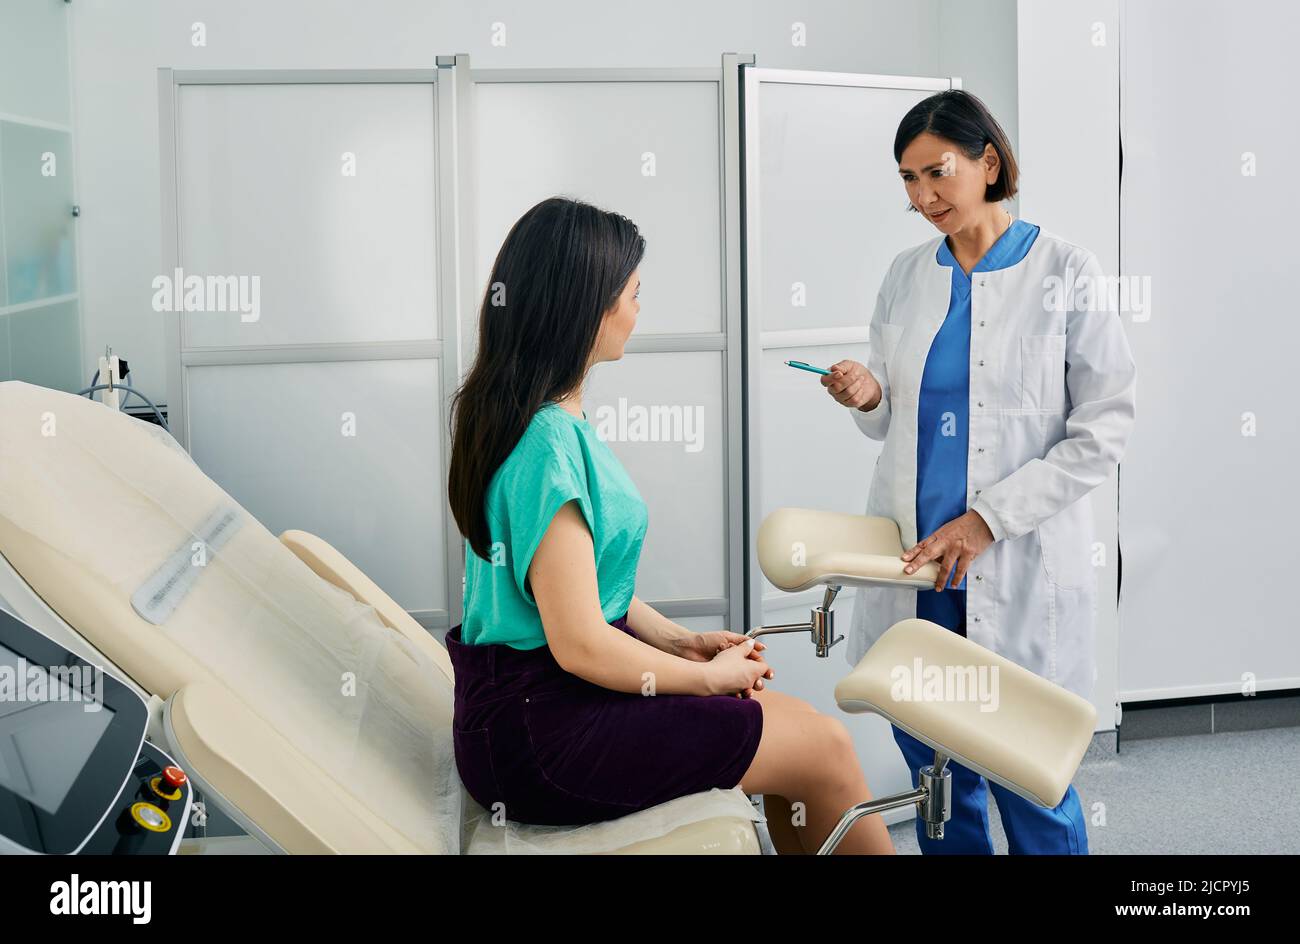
(802,366)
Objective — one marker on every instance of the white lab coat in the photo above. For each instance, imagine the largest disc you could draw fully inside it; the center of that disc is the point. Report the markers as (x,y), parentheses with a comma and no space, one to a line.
(1051,407)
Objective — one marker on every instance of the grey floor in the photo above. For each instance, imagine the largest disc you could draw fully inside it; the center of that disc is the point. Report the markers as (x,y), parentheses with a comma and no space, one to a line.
(1231,793)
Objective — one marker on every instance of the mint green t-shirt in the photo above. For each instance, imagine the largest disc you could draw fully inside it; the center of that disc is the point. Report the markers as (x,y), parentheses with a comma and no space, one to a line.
(559,458)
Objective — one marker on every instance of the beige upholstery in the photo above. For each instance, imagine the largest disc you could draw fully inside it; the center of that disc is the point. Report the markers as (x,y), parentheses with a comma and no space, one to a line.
(718,836)
(800,548)
(729,835)
(98,612)
(328,564)
(88,514)
(269,780)
(984,711)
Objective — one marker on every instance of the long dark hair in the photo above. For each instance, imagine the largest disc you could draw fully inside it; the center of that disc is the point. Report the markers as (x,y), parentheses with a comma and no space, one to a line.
(562,267)
(960,117)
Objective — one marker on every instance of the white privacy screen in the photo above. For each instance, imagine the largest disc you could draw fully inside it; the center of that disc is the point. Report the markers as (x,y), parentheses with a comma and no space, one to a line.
(598,142)
(316,401)
(833,208)
(350,451)
(326,193)
(828,212)
(1206,486)
(812,455)
(680,476)
(650,149)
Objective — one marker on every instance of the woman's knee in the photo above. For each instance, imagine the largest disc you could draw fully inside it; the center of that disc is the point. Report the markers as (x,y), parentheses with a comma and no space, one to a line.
(840,736)
(800,751)
(843,764)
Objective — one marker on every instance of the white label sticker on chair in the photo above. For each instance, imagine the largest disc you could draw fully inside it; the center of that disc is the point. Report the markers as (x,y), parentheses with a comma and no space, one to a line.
(159,596)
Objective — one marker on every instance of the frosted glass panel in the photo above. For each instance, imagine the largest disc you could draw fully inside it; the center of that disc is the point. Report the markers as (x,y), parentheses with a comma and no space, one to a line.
(34,60)
(591,141)
(681,476)
(45,346)
(812,454)
(833,206)
(831,218)
(347,451)
(325,192)
(36,186)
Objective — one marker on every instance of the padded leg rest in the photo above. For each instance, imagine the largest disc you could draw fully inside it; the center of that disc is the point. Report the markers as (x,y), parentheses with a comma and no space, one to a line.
(984,711)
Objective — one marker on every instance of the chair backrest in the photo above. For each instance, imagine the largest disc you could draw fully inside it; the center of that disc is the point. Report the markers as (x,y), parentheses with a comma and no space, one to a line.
(111,523)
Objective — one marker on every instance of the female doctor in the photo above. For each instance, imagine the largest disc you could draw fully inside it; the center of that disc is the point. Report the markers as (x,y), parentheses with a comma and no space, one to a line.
(1001,383)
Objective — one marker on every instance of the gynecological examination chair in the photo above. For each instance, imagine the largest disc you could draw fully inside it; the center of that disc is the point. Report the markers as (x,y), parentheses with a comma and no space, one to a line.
(288,690)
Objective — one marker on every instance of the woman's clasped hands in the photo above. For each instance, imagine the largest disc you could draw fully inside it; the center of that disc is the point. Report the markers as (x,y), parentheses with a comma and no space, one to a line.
(734,662)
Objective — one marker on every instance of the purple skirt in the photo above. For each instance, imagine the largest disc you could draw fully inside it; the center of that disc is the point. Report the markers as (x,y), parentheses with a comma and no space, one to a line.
(559,750)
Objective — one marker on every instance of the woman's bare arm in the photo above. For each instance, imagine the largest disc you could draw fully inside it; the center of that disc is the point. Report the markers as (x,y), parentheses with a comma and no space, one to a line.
(562,575)
(655,628)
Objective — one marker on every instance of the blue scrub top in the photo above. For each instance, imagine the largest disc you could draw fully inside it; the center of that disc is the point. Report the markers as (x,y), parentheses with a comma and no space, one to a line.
(943,416)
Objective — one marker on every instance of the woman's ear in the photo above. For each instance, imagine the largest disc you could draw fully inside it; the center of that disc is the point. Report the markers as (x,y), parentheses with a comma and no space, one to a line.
(992,164)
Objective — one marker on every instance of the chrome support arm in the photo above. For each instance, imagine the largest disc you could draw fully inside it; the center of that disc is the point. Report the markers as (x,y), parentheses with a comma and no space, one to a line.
(820,625)
(933,797)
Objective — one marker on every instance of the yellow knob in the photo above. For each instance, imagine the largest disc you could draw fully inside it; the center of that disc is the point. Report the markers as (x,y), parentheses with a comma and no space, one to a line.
(150,817)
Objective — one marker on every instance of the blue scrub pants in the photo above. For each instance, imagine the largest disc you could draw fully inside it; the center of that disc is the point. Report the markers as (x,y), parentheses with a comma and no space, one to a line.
(1030,829)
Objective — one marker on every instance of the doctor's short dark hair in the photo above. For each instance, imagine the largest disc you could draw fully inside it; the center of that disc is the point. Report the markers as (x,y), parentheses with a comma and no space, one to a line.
(963,119)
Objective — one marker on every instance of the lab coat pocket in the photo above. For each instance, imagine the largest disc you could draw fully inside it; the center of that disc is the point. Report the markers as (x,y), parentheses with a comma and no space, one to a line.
(1042,372)
(1066,551)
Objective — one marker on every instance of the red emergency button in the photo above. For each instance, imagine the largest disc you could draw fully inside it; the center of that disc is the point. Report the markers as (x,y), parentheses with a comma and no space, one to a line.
(169,784)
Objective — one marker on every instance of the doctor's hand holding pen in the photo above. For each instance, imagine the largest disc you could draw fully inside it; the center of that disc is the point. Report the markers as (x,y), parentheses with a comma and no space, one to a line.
(956,544)
(852,385)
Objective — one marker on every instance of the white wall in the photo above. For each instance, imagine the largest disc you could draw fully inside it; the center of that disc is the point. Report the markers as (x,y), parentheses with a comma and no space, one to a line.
(119,44)
(977,42)
(1212,455)
(1209,200)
